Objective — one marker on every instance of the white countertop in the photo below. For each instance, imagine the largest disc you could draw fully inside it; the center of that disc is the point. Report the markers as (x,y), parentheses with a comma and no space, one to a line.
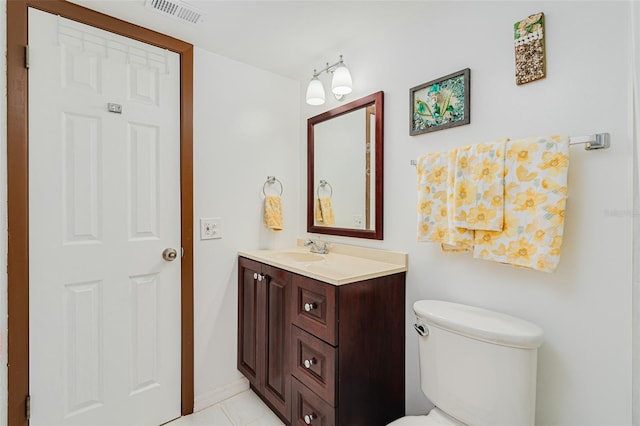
(343,264)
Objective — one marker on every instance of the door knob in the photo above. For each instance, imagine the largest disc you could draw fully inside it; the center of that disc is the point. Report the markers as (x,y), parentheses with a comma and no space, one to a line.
(169,254)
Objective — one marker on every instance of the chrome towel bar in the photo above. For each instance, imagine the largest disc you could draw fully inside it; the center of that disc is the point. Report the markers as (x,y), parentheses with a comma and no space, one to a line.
(595,141)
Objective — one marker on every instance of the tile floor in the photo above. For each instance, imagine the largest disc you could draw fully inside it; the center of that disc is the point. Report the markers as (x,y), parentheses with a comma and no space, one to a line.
(244,409)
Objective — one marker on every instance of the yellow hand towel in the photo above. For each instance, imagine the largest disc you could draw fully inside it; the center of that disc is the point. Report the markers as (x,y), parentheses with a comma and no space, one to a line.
(433,211)
(273,212)
(319,220)
(535,199)
(326,210)
(479,186)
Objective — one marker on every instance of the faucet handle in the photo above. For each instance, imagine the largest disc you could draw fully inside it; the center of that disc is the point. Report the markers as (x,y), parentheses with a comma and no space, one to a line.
(318,246)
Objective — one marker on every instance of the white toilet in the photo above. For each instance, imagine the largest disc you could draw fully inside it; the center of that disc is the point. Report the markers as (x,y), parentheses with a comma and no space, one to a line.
(478,367)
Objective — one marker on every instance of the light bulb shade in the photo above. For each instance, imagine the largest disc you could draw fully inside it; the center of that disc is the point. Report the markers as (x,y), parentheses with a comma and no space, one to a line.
(341,83)
(315,92)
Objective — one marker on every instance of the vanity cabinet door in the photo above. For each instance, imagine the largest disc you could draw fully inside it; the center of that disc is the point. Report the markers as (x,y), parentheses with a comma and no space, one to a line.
(277,320)
(264,318)
(248,321)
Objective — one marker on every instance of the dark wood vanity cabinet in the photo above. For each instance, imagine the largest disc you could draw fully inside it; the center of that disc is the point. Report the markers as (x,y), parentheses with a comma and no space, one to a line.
(264,300)
(345,362)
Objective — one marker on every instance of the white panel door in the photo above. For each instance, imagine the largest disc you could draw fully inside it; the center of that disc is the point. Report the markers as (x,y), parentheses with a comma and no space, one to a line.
(104,203)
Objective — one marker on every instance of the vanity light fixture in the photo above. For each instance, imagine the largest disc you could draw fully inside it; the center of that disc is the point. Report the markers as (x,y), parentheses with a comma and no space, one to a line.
(341,83)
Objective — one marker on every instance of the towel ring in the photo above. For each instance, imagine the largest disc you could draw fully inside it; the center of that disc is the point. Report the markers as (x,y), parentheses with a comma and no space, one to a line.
(270,181)
(324,183)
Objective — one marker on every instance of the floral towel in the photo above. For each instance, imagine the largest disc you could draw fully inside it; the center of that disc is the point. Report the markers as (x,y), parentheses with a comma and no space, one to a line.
(478,189)
(433,209)
(273,212)
(458,239)
(535,198)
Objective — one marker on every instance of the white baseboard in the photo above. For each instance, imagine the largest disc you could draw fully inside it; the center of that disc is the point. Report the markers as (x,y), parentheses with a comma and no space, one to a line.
(220,394)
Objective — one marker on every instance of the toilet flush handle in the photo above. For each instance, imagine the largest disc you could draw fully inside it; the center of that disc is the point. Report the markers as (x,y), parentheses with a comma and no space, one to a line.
(421,329)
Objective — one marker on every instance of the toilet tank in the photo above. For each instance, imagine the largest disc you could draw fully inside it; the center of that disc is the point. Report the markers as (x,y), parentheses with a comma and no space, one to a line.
(476,365)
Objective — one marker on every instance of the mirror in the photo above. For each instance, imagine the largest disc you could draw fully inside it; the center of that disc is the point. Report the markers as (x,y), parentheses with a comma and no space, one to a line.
(345,169)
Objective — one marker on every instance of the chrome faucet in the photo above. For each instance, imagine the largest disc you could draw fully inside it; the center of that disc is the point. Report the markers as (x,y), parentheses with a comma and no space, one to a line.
(319,247)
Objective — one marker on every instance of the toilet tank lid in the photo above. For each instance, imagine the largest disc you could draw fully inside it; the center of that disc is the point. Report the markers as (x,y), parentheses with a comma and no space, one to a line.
(479,323)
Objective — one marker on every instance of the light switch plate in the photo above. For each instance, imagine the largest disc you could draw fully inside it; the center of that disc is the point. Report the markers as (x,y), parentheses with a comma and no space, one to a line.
(210,228)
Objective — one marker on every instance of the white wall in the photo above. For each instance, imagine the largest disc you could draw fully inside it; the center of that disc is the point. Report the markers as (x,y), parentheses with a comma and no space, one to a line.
(245,129)
(584,375)
(635,125)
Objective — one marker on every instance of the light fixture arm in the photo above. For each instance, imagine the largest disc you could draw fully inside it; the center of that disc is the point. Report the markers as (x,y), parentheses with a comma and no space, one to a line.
(328,68)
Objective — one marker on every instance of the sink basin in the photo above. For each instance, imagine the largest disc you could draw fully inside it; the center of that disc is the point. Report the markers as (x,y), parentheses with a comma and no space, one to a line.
(297,256)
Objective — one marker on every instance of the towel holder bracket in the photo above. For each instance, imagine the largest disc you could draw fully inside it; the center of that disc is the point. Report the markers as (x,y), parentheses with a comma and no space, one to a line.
(591,142)
(323,185)
(270,181)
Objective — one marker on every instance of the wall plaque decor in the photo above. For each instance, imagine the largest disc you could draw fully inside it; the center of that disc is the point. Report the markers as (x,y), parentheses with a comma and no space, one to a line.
(528,35)
(441,103)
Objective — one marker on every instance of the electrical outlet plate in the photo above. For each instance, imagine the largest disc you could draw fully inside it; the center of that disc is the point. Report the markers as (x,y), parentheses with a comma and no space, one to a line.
(210,228)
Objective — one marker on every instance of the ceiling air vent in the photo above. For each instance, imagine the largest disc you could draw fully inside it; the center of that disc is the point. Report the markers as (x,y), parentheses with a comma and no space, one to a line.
(177,9)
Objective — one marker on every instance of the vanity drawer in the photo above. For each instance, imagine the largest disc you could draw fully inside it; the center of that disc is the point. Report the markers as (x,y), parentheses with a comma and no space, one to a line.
(307,408)
(314,308)
(314,364)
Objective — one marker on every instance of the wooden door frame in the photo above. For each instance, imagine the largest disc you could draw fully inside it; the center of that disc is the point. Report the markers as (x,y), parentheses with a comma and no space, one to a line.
(18,189)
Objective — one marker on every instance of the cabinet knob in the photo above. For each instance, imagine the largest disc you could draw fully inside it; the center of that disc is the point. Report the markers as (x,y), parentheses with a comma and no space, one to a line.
(260,277)
(255,275)
(310,306)
(308,418)
(309,362)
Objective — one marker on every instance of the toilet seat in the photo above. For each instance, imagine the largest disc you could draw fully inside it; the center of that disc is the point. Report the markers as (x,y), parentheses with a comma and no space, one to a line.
(435,417)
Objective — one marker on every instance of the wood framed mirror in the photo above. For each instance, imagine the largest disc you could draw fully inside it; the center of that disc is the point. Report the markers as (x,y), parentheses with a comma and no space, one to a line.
(345,169)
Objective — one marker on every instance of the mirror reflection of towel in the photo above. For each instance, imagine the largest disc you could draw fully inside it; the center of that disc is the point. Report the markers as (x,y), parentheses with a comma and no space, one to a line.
(273,212)
(318,212)
(324,212)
